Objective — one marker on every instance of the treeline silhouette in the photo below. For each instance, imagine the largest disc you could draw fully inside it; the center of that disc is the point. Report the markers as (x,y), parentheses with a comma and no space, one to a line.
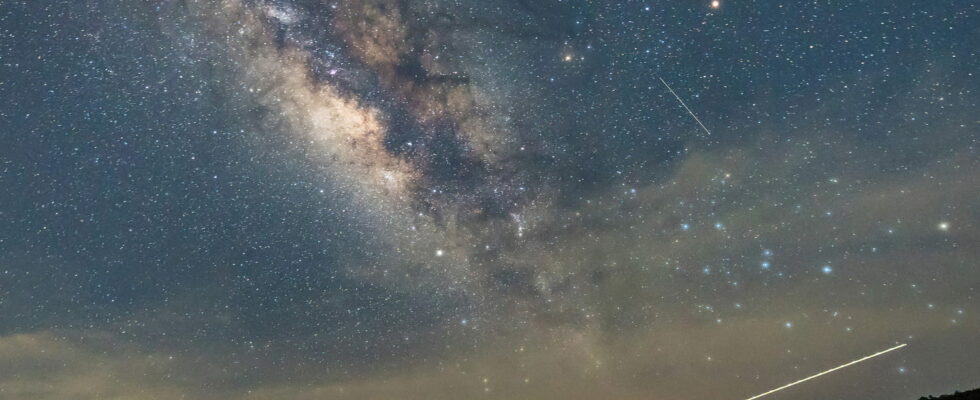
(970,395)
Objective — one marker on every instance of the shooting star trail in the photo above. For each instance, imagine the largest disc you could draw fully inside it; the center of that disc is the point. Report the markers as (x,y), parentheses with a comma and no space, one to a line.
(685,106)
(829,371)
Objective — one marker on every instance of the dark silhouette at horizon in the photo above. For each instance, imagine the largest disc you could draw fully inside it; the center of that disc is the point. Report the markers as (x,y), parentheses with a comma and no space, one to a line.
(968,395)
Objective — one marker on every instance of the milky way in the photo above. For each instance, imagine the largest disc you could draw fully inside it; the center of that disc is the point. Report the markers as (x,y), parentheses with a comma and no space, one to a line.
(367,199)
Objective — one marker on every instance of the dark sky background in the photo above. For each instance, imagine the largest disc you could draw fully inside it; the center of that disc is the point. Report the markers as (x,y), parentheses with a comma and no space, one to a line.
(488,199)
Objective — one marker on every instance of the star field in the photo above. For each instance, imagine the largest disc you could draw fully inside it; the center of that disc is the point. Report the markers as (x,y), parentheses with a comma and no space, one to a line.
(499,199)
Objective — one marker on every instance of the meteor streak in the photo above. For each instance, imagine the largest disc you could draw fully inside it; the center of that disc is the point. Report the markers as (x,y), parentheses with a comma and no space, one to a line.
(685,106)
(829,371)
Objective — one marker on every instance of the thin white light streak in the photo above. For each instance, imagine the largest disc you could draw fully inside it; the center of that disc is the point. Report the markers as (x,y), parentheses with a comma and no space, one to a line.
(829,371)
(685,106)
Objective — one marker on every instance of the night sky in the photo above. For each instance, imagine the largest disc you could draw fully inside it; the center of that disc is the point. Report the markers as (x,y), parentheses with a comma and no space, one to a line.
(488,199)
